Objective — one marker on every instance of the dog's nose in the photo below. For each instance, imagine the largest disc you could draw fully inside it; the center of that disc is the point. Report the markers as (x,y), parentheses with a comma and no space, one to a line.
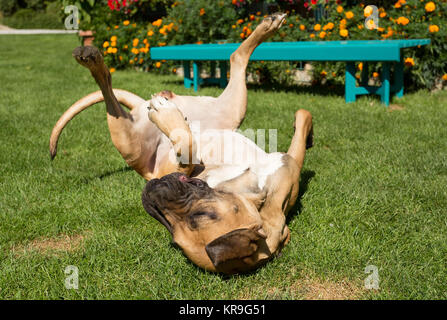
(183,178)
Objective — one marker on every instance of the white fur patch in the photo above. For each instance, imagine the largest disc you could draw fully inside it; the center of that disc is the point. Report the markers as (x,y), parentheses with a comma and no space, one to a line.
(273,163)
(224,173)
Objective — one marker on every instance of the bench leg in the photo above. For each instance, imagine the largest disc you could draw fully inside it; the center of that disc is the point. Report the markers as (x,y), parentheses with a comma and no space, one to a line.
(350,84)
(187,81)
(213,69)
(223,74)
(196,75)
(399,79)
(386,87)
(365,74)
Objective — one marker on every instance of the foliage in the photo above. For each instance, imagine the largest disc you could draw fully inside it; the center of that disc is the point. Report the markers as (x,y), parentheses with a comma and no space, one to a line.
(32,14)
(203,21)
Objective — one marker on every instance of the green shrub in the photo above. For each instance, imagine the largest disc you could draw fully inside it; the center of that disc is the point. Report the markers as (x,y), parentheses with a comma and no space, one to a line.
(8,7)
(30,19)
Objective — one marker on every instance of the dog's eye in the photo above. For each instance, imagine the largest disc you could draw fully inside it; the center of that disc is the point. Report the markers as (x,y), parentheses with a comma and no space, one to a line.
(197,182)
(195,218)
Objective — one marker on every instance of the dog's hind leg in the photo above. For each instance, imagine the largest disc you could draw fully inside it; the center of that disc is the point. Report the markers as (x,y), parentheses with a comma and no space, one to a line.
(122,129)
(234,98)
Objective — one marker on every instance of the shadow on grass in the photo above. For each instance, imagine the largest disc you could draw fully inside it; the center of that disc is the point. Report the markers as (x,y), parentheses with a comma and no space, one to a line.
(326,90)
(107,174)
(305,178)
(323,90)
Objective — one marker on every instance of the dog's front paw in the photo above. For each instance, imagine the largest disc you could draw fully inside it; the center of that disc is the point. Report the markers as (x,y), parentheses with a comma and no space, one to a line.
(165,115)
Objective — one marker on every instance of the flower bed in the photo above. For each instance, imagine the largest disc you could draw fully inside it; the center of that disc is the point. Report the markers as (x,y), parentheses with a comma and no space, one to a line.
(127,42)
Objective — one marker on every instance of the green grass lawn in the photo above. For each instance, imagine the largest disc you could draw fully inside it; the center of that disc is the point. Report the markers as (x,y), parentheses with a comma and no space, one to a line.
(373,192)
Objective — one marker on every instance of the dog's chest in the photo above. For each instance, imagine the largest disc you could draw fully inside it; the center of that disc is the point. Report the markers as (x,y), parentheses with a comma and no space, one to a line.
(228,155)
(246,177)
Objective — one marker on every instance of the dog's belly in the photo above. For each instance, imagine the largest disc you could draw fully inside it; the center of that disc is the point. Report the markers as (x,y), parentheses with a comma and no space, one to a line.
(229,155)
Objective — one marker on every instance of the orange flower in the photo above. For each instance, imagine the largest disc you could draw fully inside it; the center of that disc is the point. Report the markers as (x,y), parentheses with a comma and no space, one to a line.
(317,27)
(291,25)
(312,36)
(135,42)
(444,77)
(368,11)
(113,44)
(397,5)
(344,33)
(360,66)
(339,9)
(322,34)
(375,74)
(409,62)
(430,6)
(234,2)
(349,15)
(371,25)
(199,42)
(323,73)
(150,33)
(157,23)
(105,44)
(382,14)
(130,61)
(252,17)
(126,22)
(330,26)
(202,12)
(302,27)
(402,20)
(112,70)
(343,22)
(433,28)
(242,35)
(240,21)
(109,50)
(116,27)
(113,38)
(158,64)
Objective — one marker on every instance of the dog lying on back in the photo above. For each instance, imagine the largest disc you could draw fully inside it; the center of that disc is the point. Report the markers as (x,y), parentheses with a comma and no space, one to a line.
(226,216)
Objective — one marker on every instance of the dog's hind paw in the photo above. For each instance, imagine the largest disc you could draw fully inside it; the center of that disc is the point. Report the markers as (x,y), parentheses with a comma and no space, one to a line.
(87,56)
(272,23)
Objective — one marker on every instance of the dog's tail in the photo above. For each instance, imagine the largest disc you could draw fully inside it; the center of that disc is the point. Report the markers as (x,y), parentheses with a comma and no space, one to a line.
(126,98)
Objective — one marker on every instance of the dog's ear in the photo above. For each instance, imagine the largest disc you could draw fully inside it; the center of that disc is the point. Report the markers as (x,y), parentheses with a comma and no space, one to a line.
(236,244)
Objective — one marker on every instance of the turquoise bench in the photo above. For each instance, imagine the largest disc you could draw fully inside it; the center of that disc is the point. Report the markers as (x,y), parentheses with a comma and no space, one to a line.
(389,52)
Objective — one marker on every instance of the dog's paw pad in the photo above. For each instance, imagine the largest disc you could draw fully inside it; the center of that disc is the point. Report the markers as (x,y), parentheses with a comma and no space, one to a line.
(159,103)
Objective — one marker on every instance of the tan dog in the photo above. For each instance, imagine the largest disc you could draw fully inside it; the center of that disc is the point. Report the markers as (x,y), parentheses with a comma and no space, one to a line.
(227,216)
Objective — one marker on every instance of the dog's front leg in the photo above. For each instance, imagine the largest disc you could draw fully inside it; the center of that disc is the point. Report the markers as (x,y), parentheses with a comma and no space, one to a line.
(170,120)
